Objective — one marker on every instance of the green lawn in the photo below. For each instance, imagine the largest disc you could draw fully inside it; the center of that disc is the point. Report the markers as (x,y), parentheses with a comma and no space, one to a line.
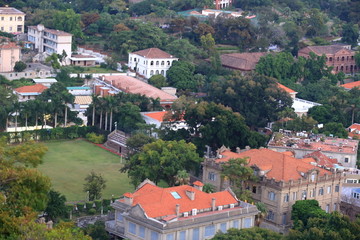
(68,162)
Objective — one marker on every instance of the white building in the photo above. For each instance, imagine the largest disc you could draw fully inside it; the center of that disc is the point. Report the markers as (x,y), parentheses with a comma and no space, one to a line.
(50,41)
(151,61)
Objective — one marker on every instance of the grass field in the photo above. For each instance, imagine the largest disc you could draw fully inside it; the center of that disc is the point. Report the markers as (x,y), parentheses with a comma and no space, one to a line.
(68,162)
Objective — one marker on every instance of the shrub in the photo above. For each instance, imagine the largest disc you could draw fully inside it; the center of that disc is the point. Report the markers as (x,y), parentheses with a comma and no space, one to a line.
(80,207)
(93,137)
(106,202)
(89,205)
(98,204)
(92,211)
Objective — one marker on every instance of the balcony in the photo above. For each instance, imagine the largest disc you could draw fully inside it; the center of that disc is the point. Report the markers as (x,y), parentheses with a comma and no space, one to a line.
(114,229)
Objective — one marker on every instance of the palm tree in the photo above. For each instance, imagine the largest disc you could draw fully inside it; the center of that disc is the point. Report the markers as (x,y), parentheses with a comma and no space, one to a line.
(95,103)
(111,104)
(262,214)
(182,178)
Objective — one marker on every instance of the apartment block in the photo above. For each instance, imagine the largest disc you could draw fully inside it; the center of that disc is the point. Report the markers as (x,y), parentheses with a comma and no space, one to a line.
(11,20)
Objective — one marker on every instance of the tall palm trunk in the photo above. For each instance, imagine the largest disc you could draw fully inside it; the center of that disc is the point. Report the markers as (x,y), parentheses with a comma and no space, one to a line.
(111,118)
(26,121)
(65,121)
(93,115)
(101,117)
(36,120)
(106,120)
(16,123)
(55,124)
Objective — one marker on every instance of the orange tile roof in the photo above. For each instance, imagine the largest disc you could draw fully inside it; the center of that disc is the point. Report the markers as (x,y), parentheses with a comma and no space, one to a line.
(159,202)
(37,88)
(277,165)
(135,86)
(351,85)
(322,159)
(153,53)
(355,126)
(286,89)
(198,183)
(159,116)
(241,61)
(9,45)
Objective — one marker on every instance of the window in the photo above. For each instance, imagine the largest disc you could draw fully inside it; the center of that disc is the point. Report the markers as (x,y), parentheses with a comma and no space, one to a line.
(303,195)
(168,63)
(162,63)
(10,28)
(327,208)
(294,196)
(270,215)
(170,236)
(254,189)
(151,72)
(286,197)
(2,18)
(132,228)
(141,231)
(247,223)
(195,234)
(209,231)
(329,189)
(236,224)
(119,217)
(313,177)
(337,188)
(335,207)
(19,18)
(346,160)
(182,235)
(10,18)
(152,63)
(212,176)
(272,196)
(154,235)
(283,219)
(312,193)
(157,62)
(223,227)
(321,191)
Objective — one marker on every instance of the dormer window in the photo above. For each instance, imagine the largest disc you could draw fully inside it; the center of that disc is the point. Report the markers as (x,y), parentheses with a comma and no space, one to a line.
(175,195)
(313,177)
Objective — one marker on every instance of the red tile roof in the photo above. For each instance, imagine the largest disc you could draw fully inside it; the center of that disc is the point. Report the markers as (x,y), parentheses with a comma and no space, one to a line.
(8,45)
(37,88)
(135,86)
(159,116)
(322,159)
(351,85)
(241,61)
(286,89)
(160,202)
(277,165)
(355,126)
(153,53)
(320,50)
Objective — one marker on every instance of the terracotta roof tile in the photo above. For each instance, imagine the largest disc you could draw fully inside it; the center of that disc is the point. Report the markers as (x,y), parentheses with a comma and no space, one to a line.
(8,45)
(279,166)
(161,202)
(241,61)
(321,159)
(320,50)
(135,86)
(153,53)
(159,116)
(355,126)
(351,85)
(286,89)
(37,88)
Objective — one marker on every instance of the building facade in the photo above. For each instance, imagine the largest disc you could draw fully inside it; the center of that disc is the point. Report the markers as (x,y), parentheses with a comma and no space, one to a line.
(11,20)
(27,93)
(9,55)
(50,41)
(340,57)
(181,213)
(221,4)
(151,61)
(283,180)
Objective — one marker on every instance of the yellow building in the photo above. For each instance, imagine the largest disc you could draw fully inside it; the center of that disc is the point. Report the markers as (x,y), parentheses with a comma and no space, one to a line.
(11,20)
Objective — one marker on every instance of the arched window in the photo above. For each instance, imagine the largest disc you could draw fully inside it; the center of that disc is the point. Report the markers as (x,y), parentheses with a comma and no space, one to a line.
(327,59)
(346,68)
(330,59)
(134,59)
(338,58)
(157,72)
(152,63)
(168,63)
(343,58)
(19,18)
(342,68)
(157,62)
(162,73)
(151,72)
(337,68)
(162,63)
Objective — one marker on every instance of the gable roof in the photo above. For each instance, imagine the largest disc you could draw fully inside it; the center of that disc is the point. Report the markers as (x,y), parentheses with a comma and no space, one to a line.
(277,165)
(135,86)
(159,116)
(37,88)
(153,53)
(320,50)
(351,85)
(241,61)
(10,10)
(286,89)
(161,202)
(355,126)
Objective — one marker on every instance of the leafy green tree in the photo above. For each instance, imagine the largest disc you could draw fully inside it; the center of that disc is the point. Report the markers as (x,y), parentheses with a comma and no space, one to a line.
(209,188)
(8,100)
(350,34)
(158,81)
(161,160)
(183,49)
(254,233)
(256,97)
(182,178)
(53,59)
(97,231)
(303,210)
(207,42)
(136,142)
(237,172)
(336,129)
(56,205)
(181,75)
(94,185)
(68,21)
(357,59)
(19,66)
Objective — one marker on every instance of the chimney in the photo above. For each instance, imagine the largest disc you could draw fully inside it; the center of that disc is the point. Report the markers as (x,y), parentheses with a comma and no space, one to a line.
(238,150)
(191,194)
(213,201)
(177,210)
(198,185)
(128,198)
